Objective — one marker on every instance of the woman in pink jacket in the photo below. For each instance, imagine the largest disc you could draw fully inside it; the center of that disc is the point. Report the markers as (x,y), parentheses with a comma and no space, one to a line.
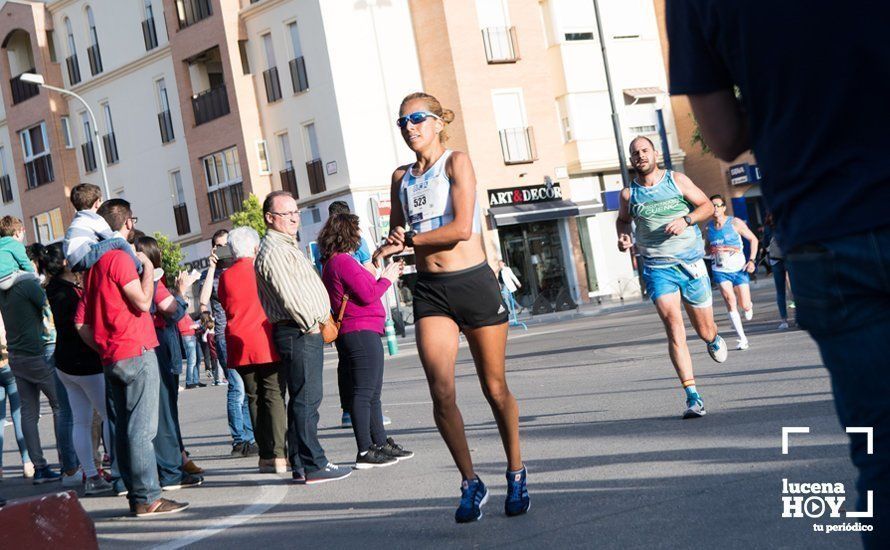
(346,279)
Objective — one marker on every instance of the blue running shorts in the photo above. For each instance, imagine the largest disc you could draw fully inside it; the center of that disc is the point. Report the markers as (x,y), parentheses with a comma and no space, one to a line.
(695,291)
(737,278)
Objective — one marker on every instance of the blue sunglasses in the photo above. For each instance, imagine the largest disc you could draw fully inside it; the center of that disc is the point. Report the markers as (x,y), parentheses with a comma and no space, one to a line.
(415,118)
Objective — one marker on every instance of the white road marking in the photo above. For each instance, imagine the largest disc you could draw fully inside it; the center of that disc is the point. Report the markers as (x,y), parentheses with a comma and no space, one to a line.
(270,497)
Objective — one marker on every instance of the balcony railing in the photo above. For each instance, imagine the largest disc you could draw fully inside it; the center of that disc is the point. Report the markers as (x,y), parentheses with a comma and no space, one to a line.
(22,90)
(5,189)
(210,104)
(88,150)
(315,170)
(165,121)
(298,77)
(39,171)
(95,59)
(181,215)
(225,201)
(149,34)
(110,144)
(273,86)
(518,145)
(289,182)
(500,44)
(192,11)
(73,69)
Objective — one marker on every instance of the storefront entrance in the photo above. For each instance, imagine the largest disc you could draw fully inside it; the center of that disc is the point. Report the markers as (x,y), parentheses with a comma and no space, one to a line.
(534,251)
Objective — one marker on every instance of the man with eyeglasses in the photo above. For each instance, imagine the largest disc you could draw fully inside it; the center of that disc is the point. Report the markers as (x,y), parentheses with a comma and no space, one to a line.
(725,234)
(296,302)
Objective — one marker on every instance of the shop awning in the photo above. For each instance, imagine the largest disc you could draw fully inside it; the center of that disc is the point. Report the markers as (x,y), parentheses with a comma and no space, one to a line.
(643,93)
(541,211)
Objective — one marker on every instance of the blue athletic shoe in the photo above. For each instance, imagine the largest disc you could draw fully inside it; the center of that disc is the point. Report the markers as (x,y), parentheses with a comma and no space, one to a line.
(517,502)
(346,421)
(473,494)
(45,475)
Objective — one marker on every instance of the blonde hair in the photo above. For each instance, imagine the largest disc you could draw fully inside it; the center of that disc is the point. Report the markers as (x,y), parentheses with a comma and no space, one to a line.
(433,105)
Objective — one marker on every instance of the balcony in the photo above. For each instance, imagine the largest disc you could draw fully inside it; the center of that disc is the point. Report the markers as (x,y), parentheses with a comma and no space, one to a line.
(110,144)
(315,169)
(23,90)
(165,122)
(500,45)
(149,34)
(192,11)
(88,150)
(181,215)
(39,171)
(289,182)
(73,69)
(95,59)
(273,86)
(225,201)
(5,189)
(298,77)
(210,104)
(518,145)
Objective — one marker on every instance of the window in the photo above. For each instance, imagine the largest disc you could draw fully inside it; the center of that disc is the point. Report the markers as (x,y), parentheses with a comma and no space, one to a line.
(263,156)
(312,142)
(180,209)
(165,119)
(163,100)
(222,169)
(109,140)
(93,51)
(149,32)
(517,139)
(647,129)
(294,34)
(269,50)
(72,49)
(575,36)
(88,148)
(66,132)
(284,143)
(48,226)
(87,127)
(91,21)
(109,127)
(5,184)
(177,191)
(71,60)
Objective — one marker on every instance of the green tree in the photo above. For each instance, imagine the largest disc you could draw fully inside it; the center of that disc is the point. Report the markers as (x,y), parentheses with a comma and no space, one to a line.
(171,257)
(251,215)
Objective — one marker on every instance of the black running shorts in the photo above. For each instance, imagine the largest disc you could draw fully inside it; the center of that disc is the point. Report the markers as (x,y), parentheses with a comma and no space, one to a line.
(471,297)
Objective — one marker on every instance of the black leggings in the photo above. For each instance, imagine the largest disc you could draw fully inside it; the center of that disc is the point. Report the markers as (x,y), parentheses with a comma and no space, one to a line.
(363,355)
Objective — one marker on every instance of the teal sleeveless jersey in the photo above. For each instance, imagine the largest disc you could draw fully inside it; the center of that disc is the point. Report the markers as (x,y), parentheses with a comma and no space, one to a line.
(652,209)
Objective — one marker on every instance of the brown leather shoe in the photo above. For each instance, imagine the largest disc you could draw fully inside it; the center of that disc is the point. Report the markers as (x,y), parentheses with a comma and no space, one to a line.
(191,468)
(272,465)
(160,507)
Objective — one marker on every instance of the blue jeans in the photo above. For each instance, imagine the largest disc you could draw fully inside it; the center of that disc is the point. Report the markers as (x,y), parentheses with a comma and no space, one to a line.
(192,373)
(302,361)
(779,272)
(135,388)
(237,409)
(99,248)
(9,389)
(842,291)
(64,420)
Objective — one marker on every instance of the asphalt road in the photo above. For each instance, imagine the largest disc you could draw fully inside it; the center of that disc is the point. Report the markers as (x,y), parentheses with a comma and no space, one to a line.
(611,464)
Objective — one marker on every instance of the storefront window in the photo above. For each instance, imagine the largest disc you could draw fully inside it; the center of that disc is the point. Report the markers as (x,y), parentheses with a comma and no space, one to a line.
(535,252)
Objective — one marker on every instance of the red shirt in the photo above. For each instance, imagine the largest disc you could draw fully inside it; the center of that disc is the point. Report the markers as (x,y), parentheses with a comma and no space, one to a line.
(161,294)
(248,331)
(121,330)
(185,325)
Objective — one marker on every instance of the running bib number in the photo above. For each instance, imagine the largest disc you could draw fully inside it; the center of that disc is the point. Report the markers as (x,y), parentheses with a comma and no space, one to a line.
(421,203)
(729,260)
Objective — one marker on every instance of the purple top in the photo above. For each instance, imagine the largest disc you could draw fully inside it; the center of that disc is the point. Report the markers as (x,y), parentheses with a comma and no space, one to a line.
(364,311)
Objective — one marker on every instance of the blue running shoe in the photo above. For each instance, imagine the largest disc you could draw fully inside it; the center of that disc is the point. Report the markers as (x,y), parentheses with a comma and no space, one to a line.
(473,494)
(695,407)
(45,475)
(517,502)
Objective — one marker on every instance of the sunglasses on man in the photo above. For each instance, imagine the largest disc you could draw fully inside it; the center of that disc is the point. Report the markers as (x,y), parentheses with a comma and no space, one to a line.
(415,118)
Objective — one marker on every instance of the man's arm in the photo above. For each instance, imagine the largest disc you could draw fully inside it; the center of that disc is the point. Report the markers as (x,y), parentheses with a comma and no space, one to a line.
(86,334)
(623,223)
(207,287)
(703,207)
(140,292)
(722,123)
(742,228)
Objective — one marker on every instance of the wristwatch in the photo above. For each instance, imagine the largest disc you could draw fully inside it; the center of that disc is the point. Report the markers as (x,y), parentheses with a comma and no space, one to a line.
(409,238)
(688,220)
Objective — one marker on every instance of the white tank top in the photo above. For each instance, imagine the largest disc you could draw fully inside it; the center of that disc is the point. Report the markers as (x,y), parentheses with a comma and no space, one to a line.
(426,199)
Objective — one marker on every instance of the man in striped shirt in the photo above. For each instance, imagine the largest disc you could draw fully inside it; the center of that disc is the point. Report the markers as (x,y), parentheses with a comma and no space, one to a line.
(295,301)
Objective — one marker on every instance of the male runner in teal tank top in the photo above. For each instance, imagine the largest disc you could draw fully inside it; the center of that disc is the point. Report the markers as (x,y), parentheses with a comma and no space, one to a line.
(665,207)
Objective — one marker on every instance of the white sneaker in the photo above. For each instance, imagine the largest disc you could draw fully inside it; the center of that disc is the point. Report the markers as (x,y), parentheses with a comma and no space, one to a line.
(742,345)
(74,480)
(717,349)
(28,470)
(749,313)
(783,325)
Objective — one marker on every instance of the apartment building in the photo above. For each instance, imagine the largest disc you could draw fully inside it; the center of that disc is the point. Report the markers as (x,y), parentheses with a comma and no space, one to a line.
(199,103)
(527,82)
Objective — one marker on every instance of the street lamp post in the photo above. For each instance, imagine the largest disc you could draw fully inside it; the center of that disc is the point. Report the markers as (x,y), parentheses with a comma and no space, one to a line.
(39,81)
